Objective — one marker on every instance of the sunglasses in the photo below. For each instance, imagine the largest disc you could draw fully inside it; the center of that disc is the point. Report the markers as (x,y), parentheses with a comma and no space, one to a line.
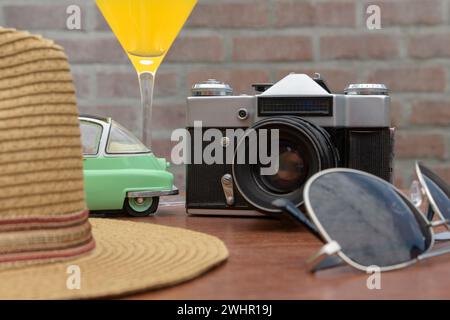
(436,193)
(365,221)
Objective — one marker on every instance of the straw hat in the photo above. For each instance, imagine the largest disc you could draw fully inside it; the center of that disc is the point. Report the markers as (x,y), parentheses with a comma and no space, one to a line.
(46,239)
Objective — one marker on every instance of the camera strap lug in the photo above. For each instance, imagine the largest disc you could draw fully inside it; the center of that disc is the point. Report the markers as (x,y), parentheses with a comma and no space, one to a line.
(227,185)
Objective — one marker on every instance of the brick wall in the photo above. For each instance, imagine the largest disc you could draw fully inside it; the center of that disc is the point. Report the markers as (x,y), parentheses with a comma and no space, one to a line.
(246,41)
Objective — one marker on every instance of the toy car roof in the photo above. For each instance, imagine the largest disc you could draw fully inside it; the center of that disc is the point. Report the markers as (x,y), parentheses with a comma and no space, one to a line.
(107,120)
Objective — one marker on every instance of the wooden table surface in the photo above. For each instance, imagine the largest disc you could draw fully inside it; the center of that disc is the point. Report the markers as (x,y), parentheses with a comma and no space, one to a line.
(267,262)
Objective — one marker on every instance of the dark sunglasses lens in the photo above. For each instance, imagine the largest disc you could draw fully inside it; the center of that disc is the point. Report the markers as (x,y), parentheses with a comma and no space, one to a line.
(371,222)
(439,190)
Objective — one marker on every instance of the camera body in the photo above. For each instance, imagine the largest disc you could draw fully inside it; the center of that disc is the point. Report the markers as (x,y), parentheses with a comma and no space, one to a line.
(318,130)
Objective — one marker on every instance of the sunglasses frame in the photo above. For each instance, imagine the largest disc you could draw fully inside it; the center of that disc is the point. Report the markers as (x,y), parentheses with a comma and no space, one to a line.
(332,247)
(426,192)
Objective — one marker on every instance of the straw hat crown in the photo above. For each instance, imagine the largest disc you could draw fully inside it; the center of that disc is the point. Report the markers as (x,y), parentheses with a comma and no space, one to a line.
(43,215)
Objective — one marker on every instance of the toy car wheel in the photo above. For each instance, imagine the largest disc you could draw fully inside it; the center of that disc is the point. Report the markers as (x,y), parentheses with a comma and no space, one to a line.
(141,207)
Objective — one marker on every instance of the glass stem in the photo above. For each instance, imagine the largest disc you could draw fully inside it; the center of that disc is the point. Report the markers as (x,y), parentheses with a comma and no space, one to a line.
(147,83)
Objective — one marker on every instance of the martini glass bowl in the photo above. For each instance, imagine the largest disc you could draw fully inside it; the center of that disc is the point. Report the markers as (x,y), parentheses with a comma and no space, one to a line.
(146,30)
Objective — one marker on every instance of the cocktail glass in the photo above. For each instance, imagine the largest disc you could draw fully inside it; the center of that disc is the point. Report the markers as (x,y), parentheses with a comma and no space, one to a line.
(146,30)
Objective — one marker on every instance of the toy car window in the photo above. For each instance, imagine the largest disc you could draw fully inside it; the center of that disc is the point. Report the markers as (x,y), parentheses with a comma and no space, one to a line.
(122,141)
(90,137)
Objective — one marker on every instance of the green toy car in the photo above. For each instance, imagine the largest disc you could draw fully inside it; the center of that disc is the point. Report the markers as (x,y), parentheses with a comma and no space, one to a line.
(120,172)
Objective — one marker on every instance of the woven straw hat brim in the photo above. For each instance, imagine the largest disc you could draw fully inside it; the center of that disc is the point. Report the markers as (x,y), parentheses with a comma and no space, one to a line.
(129,257)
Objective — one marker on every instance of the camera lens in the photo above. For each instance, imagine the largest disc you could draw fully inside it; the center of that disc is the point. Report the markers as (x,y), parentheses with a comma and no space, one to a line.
(303,150)
(291,173)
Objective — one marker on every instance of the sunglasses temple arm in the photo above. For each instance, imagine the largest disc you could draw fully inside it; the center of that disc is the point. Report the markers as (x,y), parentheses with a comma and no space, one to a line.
(327,257)
(442,236)
(295,214)
(434,253)
(327,263)
(326,254)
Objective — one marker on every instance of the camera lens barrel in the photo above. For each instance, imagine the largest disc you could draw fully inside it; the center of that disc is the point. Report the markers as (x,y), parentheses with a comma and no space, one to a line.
(304,149)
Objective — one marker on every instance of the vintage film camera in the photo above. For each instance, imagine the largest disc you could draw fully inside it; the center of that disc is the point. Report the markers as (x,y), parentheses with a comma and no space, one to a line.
(317,130)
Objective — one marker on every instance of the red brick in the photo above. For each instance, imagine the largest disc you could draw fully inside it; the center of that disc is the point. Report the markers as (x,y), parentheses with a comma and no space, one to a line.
(420,145)
(336,79)
(411,78)
(272,48)
(128,116)
(26,17)
(409,12)
(100,22)
(166,117)
(294,13)
(208,48)
(240,80)
(397,112)
(431,112)
(235,14)
(364,46)
(82,83)
(117,84)
(426,46)
(163,147)
(169,116)
(89,50)
(311,13)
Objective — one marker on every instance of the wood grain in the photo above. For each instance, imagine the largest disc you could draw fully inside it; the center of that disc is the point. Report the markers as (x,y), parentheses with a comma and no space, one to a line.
(267,262)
